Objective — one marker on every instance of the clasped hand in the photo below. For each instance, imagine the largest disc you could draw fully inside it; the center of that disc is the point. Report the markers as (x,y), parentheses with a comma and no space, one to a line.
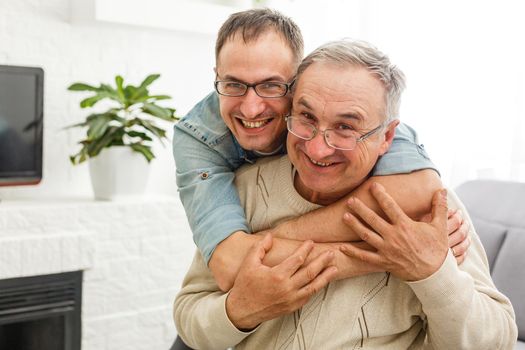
(409,249)
(262,293)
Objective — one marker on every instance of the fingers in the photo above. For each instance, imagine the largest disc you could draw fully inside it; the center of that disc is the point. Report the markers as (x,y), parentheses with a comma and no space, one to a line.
(258,251)
(361,254)
(310,271)
(439,208)
(362,231)
(459,235)
(367,214)
(387,203)
(461,248)
(461,258)
(292,263)
(318,283)
(454,221)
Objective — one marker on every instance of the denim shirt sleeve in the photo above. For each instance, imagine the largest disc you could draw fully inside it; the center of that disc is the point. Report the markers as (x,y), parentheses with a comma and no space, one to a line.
(405,154)
(206,157)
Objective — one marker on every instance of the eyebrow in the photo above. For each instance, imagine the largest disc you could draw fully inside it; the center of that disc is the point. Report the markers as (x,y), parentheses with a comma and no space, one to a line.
(304,103)
(272,78)
(351,115)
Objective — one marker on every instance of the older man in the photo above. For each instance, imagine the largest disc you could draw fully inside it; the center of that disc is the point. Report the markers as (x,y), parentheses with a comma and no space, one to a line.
(343,118)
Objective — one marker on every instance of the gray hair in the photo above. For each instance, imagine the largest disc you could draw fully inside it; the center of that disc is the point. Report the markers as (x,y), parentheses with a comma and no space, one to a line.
(361,53)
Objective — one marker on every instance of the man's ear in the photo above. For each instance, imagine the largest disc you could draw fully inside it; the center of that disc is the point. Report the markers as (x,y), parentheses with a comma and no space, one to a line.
(389,137)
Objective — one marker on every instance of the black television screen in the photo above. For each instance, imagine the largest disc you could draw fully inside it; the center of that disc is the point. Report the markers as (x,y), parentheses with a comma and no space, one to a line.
(21,125)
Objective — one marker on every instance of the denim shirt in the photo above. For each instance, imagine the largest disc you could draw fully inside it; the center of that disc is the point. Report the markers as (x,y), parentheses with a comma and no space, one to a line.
(207,155)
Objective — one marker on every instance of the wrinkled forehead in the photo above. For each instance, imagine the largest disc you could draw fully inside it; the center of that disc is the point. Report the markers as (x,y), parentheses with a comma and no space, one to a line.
(331,90)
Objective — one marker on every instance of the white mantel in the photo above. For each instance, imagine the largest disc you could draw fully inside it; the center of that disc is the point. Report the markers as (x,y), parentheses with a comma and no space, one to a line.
(134,254)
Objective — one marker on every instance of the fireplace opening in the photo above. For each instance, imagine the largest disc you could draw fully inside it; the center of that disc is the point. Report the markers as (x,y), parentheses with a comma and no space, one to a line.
(41,312)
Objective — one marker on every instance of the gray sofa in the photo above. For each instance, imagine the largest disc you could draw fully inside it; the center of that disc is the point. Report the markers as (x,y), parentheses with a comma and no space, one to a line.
(497,209)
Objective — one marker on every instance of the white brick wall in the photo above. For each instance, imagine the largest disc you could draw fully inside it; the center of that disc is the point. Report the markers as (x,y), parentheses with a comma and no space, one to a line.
(41,33)
(134,253)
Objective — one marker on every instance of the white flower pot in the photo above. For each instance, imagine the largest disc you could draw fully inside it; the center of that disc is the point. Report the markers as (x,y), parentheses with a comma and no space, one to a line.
(118,172)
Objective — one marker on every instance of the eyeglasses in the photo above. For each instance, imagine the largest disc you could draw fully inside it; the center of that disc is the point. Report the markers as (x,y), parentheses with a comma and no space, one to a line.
(269,89)
(342,139)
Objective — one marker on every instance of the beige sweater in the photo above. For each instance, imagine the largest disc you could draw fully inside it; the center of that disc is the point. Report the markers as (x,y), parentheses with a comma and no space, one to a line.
(455,308)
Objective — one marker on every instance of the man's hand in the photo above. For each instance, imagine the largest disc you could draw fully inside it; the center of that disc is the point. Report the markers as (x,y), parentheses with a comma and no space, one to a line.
(458,239)
(408,249)
(262,293)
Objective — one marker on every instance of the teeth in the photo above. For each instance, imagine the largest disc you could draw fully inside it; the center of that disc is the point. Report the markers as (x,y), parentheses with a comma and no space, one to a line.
(320,163)
(256,124)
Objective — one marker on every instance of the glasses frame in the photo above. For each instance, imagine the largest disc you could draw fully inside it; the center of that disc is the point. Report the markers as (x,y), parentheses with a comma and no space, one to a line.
(323,132)
(288,87)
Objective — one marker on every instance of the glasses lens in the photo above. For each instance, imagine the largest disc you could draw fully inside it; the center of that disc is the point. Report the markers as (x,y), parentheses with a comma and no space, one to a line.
(271,89)
(341,139)
(231,88)
(300,128)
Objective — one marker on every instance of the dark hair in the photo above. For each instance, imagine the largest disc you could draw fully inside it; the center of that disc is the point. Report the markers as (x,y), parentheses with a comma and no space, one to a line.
(252,23)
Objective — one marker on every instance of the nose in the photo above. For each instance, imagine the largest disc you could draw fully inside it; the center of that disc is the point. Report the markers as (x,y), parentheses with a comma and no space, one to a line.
(252,104)
(317,148)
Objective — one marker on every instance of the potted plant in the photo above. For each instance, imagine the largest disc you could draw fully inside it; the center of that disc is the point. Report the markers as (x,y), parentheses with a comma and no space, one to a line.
(119,139)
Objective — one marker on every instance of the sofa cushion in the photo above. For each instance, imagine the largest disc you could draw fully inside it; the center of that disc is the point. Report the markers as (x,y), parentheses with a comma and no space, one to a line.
(492,235)
(520,346)
(497,201)
(509,272)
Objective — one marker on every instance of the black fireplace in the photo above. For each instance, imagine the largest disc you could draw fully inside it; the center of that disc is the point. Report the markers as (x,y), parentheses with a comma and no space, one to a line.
(41,312)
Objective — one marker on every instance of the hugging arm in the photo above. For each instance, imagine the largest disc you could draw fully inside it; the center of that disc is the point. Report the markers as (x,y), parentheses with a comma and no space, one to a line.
(207,156)
(325,226)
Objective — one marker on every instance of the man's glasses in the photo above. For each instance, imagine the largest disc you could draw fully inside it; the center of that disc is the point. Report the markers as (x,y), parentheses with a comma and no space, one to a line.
(269,89)
(342,139)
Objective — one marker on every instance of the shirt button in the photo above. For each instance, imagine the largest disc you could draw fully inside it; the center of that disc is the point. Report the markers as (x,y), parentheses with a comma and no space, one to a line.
(204,175)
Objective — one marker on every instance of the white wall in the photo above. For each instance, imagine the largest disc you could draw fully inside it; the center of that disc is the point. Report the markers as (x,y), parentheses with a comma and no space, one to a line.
(40,33)
(463,61)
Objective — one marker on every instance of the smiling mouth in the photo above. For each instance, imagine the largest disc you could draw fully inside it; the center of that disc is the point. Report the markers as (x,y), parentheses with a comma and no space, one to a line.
(321,164)
(255,124)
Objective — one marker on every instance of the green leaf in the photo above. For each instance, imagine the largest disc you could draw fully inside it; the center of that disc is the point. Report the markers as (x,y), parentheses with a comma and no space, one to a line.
(82,87)
(111,114)
(152,98)
(141,135)
(149,79)
(98,126)
(116,142)
(107,88)
(160,97)
(155,130)
(142,90)
(129,91)
(91,101)
(173,116)
(120,90)
(157,111)
(80,157)
(75,125)
(112,133)
(144,150)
